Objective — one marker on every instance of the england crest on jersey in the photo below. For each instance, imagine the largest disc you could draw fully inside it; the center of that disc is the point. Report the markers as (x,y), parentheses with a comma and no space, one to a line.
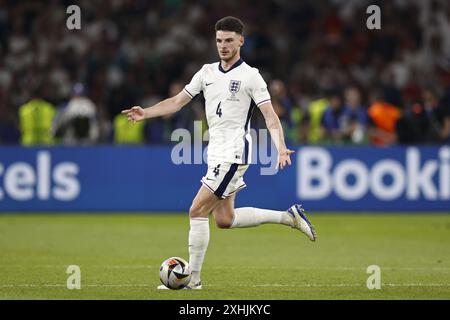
(235,85)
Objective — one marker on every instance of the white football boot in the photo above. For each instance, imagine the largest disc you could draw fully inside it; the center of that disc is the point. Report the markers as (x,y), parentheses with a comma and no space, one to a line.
(301,222)
(196,286)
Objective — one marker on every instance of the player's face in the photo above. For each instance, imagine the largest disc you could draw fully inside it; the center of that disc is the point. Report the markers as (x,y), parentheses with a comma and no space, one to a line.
(228,44)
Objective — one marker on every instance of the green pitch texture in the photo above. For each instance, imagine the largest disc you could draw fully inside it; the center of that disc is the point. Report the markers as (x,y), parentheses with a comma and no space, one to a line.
(119,257)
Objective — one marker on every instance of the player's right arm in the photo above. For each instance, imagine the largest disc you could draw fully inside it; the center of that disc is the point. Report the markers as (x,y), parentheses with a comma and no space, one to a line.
(165,107)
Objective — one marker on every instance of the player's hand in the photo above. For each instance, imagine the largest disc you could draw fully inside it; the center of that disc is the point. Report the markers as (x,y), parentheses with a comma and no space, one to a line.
(284,158)
(134,114)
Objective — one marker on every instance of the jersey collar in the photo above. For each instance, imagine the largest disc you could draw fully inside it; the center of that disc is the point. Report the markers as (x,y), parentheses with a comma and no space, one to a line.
(235,65)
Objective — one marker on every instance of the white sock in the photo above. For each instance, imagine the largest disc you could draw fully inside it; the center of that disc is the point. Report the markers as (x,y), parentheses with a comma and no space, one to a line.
(198,243)
(251,217)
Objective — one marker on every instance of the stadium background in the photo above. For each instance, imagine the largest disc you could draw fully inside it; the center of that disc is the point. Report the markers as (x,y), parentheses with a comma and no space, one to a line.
(369,107)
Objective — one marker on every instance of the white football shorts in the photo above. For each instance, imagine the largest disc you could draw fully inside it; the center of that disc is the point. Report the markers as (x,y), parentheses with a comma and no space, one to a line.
(224,178)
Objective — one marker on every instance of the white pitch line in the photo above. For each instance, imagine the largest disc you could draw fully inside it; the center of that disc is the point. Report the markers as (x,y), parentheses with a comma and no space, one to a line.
(50,266)
(64,285)
(309,285)
(337,268)
(234,267)
(273,285)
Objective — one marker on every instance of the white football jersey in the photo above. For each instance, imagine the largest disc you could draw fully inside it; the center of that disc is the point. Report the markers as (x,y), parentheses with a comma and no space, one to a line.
(230,97)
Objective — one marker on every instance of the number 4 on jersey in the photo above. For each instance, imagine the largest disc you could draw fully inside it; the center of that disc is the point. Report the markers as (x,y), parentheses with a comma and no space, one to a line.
(219,110)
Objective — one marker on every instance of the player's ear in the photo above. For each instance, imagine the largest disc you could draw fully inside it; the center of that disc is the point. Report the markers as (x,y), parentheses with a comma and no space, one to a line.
(241,40)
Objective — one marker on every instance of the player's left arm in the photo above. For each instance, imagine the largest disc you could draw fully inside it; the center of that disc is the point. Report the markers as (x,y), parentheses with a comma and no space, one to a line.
(276,132)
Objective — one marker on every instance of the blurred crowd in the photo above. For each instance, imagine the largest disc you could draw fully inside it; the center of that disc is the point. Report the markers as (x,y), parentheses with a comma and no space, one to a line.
(332,80)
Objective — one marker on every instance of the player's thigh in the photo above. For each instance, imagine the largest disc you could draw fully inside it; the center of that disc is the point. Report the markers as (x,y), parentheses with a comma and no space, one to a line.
(203,204)
(224,212)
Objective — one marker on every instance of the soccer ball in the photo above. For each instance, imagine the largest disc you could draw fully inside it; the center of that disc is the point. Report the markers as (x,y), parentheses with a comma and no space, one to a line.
(175,273)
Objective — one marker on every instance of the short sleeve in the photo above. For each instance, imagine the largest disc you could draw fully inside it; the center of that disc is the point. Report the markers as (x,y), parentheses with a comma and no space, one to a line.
(196,85)
(258,90)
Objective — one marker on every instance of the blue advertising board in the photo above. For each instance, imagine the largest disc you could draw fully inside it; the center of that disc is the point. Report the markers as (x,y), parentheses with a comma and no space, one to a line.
(147,179)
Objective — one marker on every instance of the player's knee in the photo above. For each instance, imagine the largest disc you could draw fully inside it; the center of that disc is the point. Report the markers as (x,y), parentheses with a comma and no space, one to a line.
(224,222)
(223,225)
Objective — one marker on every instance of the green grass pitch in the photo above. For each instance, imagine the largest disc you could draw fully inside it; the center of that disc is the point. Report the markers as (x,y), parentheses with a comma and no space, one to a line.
(119,256)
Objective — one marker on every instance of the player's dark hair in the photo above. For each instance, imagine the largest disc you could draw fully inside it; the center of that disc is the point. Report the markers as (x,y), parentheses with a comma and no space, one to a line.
(230,24)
